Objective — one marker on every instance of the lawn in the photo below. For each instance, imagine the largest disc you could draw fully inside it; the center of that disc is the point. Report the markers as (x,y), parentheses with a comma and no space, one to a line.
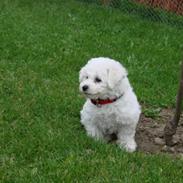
(43,45)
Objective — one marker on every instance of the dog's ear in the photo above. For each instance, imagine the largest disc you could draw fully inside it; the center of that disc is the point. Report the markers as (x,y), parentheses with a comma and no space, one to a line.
(81,74)
(115,74)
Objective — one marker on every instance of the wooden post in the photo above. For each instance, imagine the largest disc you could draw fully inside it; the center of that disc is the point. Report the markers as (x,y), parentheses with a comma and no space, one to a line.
(171,126)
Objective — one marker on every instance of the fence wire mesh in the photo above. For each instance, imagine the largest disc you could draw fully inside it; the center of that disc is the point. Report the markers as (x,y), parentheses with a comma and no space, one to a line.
(165,11)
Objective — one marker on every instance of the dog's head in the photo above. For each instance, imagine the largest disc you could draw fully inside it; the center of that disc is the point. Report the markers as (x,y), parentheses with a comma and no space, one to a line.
(101,78)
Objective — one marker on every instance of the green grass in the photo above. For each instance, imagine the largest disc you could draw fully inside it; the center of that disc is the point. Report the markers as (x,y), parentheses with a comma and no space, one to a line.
(43,45)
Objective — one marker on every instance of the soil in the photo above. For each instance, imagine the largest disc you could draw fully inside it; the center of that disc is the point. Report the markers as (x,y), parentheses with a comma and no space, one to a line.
(149,135)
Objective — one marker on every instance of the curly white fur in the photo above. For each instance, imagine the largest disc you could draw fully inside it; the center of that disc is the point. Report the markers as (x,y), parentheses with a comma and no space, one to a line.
(106,78)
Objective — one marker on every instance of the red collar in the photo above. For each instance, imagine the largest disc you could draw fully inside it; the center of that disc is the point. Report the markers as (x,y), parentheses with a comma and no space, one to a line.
(100,102)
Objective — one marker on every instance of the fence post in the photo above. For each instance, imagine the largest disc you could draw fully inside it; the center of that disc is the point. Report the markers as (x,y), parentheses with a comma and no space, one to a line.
(171,126)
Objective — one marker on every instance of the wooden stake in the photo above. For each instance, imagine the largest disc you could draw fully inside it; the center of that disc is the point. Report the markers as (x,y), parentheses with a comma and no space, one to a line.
(171,126)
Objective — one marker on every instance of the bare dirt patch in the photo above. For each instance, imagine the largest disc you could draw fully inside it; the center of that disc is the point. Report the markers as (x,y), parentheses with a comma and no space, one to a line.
(149,135)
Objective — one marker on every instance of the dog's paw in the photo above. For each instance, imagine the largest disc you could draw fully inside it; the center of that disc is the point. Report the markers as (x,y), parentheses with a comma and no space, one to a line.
(128,146)
(95,133)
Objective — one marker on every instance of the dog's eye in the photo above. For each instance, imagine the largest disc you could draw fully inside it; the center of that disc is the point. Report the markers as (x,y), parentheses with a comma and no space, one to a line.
(86,77)
(97,80)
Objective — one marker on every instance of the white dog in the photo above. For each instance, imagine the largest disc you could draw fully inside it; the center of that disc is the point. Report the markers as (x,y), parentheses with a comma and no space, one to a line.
(111,106)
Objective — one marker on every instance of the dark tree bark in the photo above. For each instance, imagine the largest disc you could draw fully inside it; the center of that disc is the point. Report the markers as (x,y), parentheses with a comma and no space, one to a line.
(171,126)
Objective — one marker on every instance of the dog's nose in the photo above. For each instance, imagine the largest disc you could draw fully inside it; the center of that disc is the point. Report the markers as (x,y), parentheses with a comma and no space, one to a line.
(85,87)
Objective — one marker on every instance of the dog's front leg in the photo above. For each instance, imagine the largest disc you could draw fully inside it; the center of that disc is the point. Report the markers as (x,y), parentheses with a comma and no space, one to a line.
(94,132)
(126,138)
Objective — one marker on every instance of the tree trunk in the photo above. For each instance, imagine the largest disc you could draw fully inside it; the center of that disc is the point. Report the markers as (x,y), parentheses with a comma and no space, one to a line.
(171,126)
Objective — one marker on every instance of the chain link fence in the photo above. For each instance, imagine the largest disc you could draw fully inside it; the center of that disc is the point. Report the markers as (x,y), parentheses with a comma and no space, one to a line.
(165,11)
